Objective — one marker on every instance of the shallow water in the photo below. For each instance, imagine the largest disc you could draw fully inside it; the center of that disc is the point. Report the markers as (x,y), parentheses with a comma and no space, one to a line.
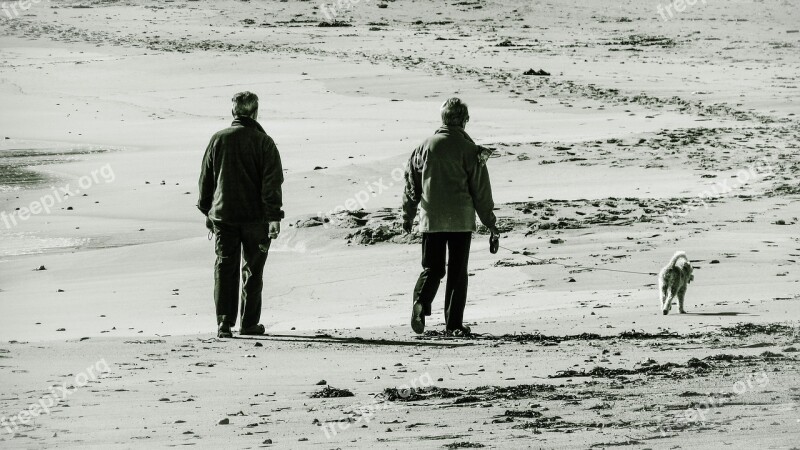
(17,243)
(16,165)
(17,173)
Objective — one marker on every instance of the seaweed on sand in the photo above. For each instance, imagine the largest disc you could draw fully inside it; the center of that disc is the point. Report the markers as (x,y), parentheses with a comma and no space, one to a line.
(747,329)
(332,392)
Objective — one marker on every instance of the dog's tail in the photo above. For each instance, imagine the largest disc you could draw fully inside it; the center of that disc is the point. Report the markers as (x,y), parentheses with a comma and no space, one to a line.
(678,255)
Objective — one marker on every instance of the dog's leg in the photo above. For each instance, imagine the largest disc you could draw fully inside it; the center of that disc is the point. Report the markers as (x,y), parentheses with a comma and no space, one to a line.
(670,295)
(681,295)
(668,303)
(662,287)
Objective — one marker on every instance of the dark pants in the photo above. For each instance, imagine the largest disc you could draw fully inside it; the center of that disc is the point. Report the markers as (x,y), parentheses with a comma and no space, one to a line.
(233,242)
(434,246)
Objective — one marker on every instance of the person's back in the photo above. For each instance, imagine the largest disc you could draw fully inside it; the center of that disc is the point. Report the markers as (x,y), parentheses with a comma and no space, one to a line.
(450,176)
(246,174)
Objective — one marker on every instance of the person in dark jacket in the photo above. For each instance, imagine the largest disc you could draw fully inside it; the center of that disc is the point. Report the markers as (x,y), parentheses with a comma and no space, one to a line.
(447,181)
(240,195)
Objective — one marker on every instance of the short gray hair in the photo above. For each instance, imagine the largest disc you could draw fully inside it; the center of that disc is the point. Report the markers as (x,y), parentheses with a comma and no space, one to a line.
(454,112)
(245,104)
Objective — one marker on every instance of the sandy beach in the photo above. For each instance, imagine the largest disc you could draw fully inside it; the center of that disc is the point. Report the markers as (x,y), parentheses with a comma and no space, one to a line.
(623,132)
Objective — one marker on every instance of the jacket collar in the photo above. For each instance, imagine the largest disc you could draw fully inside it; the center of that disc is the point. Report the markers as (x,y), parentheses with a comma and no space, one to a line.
(245,121)
(450,129)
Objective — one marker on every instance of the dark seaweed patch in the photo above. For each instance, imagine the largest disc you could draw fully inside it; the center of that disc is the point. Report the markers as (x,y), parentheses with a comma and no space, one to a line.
(604,372)
(464,444)
(748,329)
(526,414)
(332,392)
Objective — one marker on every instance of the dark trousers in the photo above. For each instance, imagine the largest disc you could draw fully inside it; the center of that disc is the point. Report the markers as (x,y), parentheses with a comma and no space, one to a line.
(434,247)
(233,242)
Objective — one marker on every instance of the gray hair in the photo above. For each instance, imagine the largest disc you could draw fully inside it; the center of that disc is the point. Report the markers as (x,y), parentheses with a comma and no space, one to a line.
(245,104)
(454,112)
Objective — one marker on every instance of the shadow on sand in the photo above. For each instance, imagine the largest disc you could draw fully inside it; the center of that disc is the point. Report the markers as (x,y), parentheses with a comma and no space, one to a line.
(725,313)
(328,339)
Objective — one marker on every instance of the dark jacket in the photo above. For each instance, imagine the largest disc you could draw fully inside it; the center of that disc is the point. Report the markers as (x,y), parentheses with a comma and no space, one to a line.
(241,177)
(445,178)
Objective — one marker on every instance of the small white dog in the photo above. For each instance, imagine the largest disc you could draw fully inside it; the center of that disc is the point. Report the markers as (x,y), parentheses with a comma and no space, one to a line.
(673,281)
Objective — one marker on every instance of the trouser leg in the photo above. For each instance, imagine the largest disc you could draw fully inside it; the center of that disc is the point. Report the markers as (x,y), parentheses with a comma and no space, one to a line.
(253,236)
(226,272)
(458,245)
(434,247)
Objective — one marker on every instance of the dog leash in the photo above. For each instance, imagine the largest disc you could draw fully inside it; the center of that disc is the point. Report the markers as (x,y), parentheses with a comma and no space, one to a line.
(550,261)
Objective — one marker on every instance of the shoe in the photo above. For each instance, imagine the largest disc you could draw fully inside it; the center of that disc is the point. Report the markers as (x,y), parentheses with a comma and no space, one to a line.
(255,330)
(224,331)
(461,331)
(418,318)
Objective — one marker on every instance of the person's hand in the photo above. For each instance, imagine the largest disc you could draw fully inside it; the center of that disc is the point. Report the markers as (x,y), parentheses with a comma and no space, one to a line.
(274,230)
(209,224)
(494,240)
(484,153)
(408,227)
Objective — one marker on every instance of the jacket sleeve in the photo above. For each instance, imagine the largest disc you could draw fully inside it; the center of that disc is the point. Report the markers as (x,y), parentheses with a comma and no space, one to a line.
(271,181)
(480,188)
(208,182)
(412,194)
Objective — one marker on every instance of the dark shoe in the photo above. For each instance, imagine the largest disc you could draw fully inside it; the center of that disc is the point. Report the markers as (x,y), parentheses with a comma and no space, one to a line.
(418,318)
(461,331)
(224,331)
(255,330)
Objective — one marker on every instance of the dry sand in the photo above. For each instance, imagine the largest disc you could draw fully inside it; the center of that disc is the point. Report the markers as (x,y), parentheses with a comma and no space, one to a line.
(602,164)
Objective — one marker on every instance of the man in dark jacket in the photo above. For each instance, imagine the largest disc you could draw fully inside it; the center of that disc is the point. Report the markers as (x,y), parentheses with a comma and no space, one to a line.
(240,194)
(448,180)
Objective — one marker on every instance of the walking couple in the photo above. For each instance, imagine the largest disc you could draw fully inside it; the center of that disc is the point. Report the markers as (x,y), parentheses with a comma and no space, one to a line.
(446,179)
